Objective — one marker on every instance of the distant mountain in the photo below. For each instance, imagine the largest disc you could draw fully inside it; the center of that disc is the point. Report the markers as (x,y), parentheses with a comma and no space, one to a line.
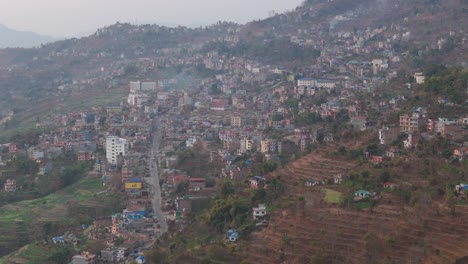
(10,38)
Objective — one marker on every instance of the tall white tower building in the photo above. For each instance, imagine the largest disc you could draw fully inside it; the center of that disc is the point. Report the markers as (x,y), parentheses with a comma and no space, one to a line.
(115,146)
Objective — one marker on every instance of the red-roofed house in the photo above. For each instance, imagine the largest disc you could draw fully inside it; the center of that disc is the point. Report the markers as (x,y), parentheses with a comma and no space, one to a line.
(177,179)
(219,105)
(377,159)
(197,184)
(460,153)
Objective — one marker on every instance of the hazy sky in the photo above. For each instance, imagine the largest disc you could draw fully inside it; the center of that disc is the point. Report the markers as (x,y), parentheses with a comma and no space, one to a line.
(60,18)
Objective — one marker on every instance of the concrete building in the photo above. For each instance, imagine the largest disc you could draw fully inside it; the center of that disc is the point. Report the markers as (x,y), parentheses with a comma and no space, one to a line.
(409,124)
(419,77)
(84,258)
(237,121)
(388,134)
(10,185)
(137,99)
(115,146)
(246,145)
(320,83)
(329,84)
(306,82)
(148,86)
(135,86)
(259,212)
(265,146)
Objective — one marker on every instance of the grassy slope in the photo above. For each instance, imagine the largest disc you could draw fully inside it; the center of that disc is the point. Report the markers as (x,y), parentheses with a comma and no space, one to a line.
(52,208)
(32,254)
(332,196)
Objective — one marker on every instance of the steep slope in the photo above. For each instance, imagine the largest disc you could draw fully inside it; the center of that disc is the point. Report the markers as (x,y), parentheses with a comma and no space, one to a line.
(306,229)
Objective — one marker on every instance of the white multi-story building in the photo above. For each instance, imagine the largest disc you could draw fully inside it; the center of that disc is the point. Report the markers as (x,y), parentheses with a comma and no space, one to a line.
(135,86)
(330,84)
(306,82)
(148,86)
(137,99)
(115,146)
(246,145)
(320,83)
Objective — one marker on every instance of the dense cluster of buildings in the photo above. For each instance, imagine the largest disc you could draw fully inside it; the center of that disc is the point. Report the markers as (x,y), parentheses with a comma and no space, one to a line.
(248,108)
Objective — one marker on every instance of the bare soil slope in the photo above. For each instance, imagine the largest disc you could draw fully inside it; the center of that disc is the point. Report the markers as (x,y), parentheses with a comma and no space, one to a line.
(309,230)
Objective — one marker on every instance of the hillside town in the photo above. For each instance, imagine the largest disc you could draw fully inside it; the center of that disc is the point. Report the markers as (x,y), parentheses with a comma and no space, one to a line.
(235,125)
(199,124)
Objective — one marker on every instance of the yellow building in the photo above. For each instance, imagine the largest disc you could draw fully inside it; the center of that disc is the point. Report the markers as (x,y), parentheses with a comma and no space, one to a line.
(133,184)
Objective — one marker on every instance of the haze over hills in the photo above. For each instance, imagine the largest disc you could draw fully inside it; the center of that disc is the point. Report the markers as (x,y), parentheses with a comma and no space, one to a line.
(10,38)
(353,113)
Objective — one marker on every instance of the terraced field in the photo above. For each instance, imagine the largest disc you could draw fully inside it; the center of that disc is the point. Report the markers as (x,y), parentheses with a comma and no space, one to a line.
(23,222)
(311,230)
(33,253)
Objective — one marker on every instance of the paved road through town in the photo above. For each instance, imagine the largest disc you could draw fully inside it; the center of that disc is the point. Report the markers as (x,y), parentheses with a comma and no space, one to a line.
(153,180)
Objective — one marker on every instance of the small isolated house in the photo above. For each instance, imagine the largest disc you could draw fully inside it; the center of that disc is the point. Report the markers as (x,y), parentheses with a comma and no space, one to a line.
(377,159)
(390,185)
(461,188)
(197,184)
(259,212)
(419,77)
(58,240)
(311,182)
(460,153)
(140,260)
(257,181)
(232,235)
(362,193)
(339,178)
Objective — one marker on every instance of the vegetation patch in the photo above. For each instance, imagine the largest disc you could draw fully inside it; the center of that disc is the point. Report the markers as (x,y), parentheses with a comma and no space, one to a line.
(332,196)
(67,208)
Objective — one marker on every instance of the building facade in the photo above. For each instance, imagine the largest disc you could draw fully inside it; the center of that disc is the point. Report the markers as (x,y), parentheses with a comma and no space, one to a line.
(115,147)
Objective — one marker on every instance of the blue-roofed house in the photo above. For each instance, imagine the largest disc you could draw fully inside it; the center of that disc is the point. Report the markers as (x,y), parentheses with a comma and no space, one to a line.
(140,260)
(232,235)
(362,193)
(136,214)
(58,240)
(230,159)
(461,188)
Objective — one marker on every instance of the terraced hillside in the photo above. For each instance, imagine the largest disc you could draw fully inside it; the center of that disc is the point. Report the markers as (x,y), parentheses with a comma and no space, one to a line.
(311,167)
(306,229)
(23,222)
